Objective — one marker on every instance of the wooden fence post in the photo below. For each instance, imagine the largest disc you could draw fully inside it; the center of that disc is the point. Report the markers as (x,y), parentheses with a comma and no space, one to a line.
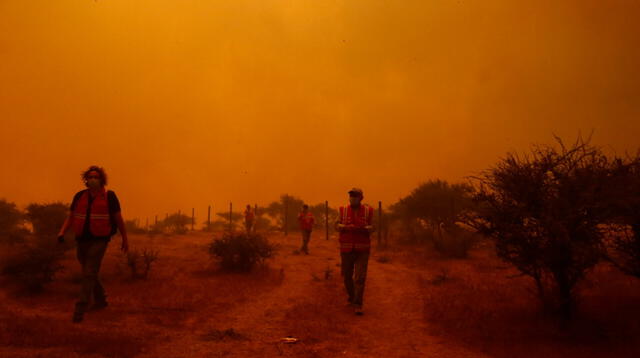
(286,215)
(326,218)
(379,222)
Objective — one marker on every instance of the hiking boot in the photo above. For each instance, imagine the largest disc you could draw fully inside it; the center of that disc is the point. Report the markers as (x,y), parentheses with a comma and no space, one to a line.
(358,311)
(78,313)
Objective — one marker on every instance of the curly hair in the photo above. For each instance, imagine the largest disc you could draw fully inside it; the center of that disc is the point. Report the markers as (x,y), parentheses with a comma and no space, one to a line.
(99,170)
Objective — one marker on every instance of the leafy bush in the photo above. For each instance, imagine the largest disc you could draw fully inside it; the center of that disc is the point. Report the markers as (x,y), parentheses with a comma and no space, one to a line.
(177,223)
(133,227)
(46,219)
(454,242)
(32,265)
(276,210)
(429,206)
(11,219)
(241,251)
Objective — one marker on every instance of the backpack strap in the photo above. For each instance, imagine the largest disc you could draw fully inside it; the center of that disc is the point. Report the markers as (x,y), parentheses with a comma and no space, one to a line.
(114,224)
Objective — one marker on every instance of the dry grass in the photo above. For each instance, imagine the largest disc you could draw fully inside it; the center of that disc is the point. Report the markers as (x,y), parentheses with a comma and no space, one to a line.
(481,305)
(185,289)
(318,322)
(189,308)
(41,332)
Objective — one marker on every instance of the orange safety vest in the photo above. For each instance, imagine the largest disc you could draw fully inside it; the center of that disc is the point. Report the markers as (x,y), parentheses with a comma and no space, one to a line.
(357,237)
(99,218)
(306,220)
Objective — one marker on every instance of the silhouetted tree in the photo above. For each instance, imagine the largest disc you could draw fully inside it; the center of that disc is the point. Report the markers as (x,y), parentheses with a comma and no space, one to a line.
(542,210)
(621,206)
(262,222)
(34,261)
(318,211)
(431,213)
(133,227)
(46,219)
(293,206)
(11,220)
(177,223)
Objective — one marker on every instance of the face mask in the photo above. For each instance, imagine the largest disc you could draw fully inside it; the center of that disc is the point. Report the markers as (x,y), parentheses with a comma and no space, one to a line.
(354,200)
(93,183)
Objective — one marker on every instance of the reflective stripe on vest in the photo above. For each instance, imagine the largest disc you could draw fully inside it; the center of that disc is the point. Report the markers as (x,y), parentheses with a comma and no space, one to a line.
(99,220)
(350,240)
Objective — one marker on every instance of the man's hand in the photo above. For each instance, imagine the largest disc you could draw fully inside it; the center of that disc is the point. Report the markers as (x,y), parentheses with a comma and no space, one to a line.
(125,245)
(369,228)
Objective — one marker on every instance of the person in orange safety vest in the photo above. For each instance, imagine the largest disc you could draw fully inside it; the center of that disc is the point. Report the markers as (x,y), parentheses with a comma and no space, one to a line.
(355,226)
(94,217)
(306,221)
(249,217)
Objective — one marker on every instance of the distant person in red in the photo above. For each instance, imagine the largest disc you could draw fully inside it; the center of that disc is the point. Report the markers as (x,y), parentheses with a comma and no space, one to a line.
(306,220)
(94,217)
(249,218)
(354,226)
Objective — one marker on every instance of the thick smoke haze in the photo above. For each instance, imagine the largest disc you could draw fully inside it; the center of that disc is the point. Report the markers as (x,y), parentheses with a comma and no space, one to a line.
(196,102)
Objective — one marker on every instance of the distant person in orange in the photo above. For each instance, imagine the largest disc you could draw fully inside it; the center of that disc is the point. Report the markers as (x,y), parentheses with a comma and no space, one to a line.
(249,218)
(306,221)
(94,217)
(354,226)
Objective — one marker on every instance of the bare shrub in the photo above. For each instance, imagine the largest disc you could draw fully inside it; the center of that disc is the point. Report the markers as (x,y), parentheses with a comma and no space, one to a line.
(140,263)
(241,251)
(621,206)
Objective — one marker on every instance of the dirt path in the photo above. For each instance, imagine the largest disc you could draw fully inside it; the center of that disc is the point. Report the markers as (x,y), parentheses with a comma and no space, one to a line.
(187,309)
(309,304)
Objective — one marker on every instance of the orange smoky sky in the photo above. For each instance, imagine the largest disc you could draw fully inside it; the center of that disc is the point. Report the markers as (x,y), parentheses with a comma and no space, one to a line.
(188,103)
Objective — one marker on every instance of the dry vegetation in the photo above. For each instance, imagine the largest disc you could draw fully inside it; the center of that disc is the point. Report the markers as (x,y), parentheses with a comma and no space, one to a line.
(560,224)
(418,302)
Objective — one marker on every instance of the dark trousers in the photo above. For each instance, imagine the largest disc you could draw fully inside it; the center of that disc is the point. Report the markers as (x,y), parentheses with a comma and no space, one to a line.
(306,236)
(354,272)
(90,254)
